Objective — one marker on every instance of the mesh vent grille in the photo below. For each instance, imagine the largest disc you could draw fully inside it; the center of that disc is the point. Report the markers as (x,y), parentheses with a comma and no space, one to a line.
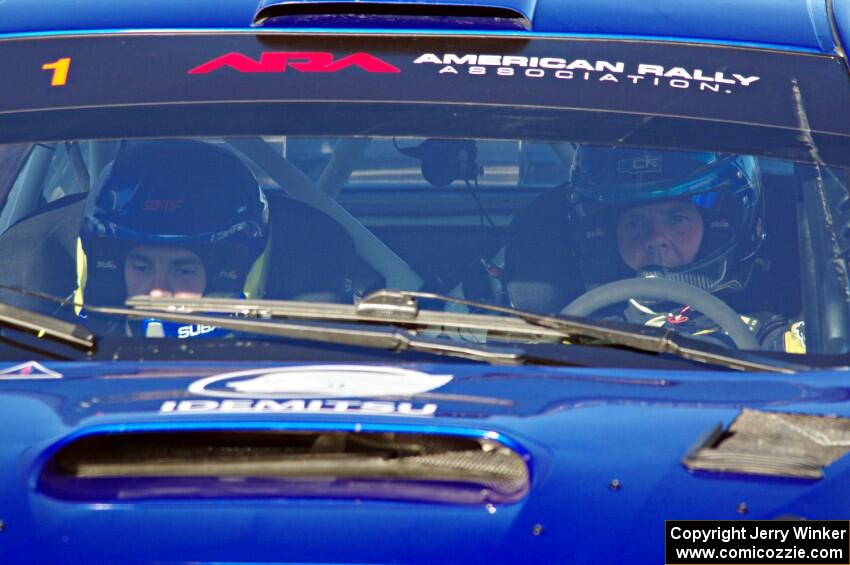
(286,464)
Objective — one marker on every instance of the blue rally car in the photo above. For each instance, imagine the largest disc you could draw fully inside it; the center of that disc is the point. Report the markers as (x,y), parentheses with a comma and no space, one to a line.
(473,281)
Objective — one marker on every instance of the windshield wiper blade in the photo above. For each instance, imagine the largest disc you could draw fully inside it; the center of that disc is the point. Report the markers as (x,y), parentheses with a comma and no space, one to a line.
(178,310)
(621,334)
(380,337)
(389,338)
(370,310)
(46,326)
(640,338)
(400,307)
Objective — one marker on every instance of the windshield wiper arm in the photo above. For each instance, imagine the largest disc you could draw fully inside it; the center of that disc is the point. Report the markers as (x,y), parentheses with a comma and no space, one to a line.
(392,339)
(370,310)
(46,326)
(179,310)
(401,307)
(398,307)
(621,334)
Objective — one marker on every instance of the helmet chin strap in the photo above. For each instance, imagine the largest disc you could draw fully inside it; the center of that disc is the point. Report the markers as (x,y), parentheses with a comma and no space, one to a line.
(709,273)
(709,278)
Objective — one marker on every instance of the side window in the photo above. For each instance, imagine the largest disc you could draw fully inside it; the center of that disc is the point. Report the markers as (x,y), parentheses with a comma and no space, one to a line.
(543,165)
(67,173)
(51,172)
(54,171)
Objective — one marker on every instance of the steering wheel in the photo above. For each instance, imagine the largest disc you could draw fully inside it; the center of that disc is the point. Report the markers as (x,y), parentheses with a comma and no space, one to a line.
(665,289)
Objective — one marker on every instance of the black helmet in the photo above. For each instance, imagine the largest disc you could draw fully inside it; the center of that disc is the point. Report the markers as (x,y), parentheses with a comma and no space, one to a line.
(177,193)
(726,189)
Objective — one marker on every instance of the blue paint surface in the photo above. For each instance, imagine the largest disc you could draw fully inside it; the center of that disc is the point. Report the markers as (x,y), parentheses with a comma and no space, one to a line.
(580,428)
(785,24)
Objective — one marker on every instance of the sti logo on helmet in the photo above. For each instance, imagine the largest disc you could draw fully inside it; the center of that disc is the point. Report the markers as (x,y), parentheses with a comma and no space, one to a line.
(303,61)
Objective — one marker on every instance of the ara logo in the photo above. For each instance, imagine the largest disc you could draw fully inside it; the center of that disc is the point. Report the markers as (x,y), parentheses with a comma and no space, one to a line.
(32,370)
(319,381)
(303,61)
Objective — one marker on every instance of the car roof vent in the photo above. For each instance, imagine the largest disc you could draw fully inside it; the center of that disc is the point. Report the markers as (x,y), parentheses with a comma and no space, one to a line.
(397,14)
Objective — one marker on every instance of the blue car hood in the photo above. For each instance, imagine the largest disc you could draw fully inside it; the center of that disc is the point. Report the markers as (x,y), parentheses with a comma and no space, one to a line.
(604,450)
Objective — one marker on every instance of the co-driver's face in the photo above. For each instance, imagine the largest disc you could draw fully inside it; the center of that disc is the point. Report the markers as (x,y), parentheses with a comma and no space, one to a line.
(667,234)
(164,272)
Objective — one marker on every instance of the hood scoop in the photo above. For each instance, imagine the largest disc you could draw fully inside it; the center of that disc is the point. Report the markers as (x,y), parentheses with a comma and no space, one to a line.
(286,464)
(773,444)
(411,14)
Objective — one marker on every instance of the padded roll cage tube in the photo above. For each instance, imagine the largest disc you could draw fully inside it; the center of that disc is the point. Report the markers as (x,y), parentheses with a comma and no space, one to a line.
(346,154)
(394,269)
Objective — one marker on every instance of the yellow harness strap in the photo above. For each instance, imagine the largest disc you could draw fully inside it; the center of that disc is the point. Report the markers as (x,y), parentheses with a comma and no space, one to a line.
(795,340)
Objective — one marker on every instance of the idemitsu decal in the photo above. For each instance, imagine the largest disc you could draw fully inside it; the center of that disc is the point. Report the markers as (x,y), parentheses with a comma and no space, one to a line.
(319,381)
(316,388)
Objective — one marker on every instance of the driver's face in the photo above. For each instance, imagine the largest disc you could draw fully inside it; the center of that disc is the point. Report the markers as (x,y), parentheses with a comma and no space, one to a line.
(163,272)
(667,234)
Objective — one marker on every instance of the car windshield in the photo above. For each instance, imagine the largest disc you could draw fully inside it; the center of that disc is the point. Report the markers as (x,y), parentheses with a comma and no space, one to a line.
(606,181)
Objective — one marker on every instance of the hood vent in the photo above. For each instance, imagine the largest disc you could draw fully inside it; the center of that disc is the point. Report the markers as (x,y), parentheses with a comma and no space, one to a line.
(393,14)
(219,464)
(773,444)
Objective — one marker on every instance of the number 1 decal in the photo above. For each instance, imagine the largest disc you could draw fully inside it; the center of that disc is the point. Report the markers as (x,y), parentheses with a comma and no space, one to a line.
(60,71)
